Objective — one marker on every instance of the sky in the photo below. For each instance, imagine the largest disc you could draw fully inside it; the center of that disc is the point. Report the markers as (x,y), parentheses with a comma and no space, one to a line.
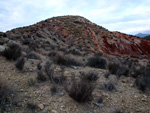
(127,16)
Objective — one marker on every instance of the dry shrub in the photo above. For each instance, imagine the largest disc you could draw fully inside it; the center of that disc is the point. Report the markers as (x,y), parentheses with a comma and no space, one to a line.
(66,60)
(97,62)
(49,70)
(41,76)
(5,93)
(89,76)
(80,90)
(13,52)
(109,86)
(33,55)
(143,81)
(20,63)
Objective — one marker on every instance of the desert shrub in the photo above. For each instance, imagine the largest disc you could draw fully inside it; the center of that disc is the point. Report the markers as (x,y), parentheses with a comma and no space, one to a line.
(30,81)
(100,99)
(90,76)
(74,52)
(32,106)
(99,54)
(49,70)
(52,54)
(132,56)
(33,46)
(113,67)
(13,52)
(20,63)
(118,111)
(55,79)
(123,70)
(39,67)
(41,76)
(135,73)
(5,94)
(143,82)
(106,75)
(26,41)
(33,55)
(53,89)
(60,79)
(97,62)
(65,60)
(81,90)
(110,86)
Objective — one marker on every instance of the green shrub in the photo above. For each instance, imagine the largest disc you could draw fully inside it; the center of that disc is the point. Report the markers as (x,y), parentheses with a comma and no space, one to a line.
(31,81)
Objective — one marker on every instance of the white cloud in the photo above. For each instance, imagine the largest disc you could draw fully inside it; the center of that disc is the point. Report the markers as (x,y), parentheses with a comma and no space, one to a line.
(126,16)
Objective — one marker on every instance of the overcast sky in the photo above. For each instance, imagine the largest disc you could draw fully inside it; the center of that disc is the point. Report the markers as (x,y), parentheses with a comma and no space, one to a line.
(127,16)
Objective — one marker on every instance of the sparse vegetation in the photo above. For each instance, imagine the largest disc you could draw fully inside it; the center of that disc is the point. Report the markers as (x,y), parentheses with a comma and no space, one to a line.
(74,52)
(100,99)
(33,55)
(143,82)
(20,63)
(13,52)
(118,68)
(81,90)
(97,62)
(65,60)
(32,106)
(107,82)
(49,70)
(31,81)
(41,76)
(113,67)
(90,76)
(5,93)
(106,75)
(53,89)
(39,67)
(110,86)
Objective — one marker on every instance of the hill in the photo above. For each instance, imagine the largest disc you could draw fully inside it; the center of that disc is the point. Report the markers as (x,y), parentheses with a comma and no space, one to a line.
(141,35)
(77,32)
(68,64)
(147,37)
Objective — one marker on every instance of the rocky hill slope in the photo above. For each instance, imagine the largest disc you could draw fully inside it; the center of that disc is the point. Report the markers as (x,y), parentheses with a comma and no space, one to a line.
(77,32)
(49,68)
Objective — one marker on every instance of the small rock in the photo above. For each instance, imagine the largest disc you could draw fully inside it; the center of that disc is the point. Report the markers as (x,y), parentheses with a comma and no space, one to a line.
(124,81)
(21,90)
(49,109)
(2,48)
(54,111)
(144,99)
(135,96)
(98,104)
(41,106)
(131,85)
